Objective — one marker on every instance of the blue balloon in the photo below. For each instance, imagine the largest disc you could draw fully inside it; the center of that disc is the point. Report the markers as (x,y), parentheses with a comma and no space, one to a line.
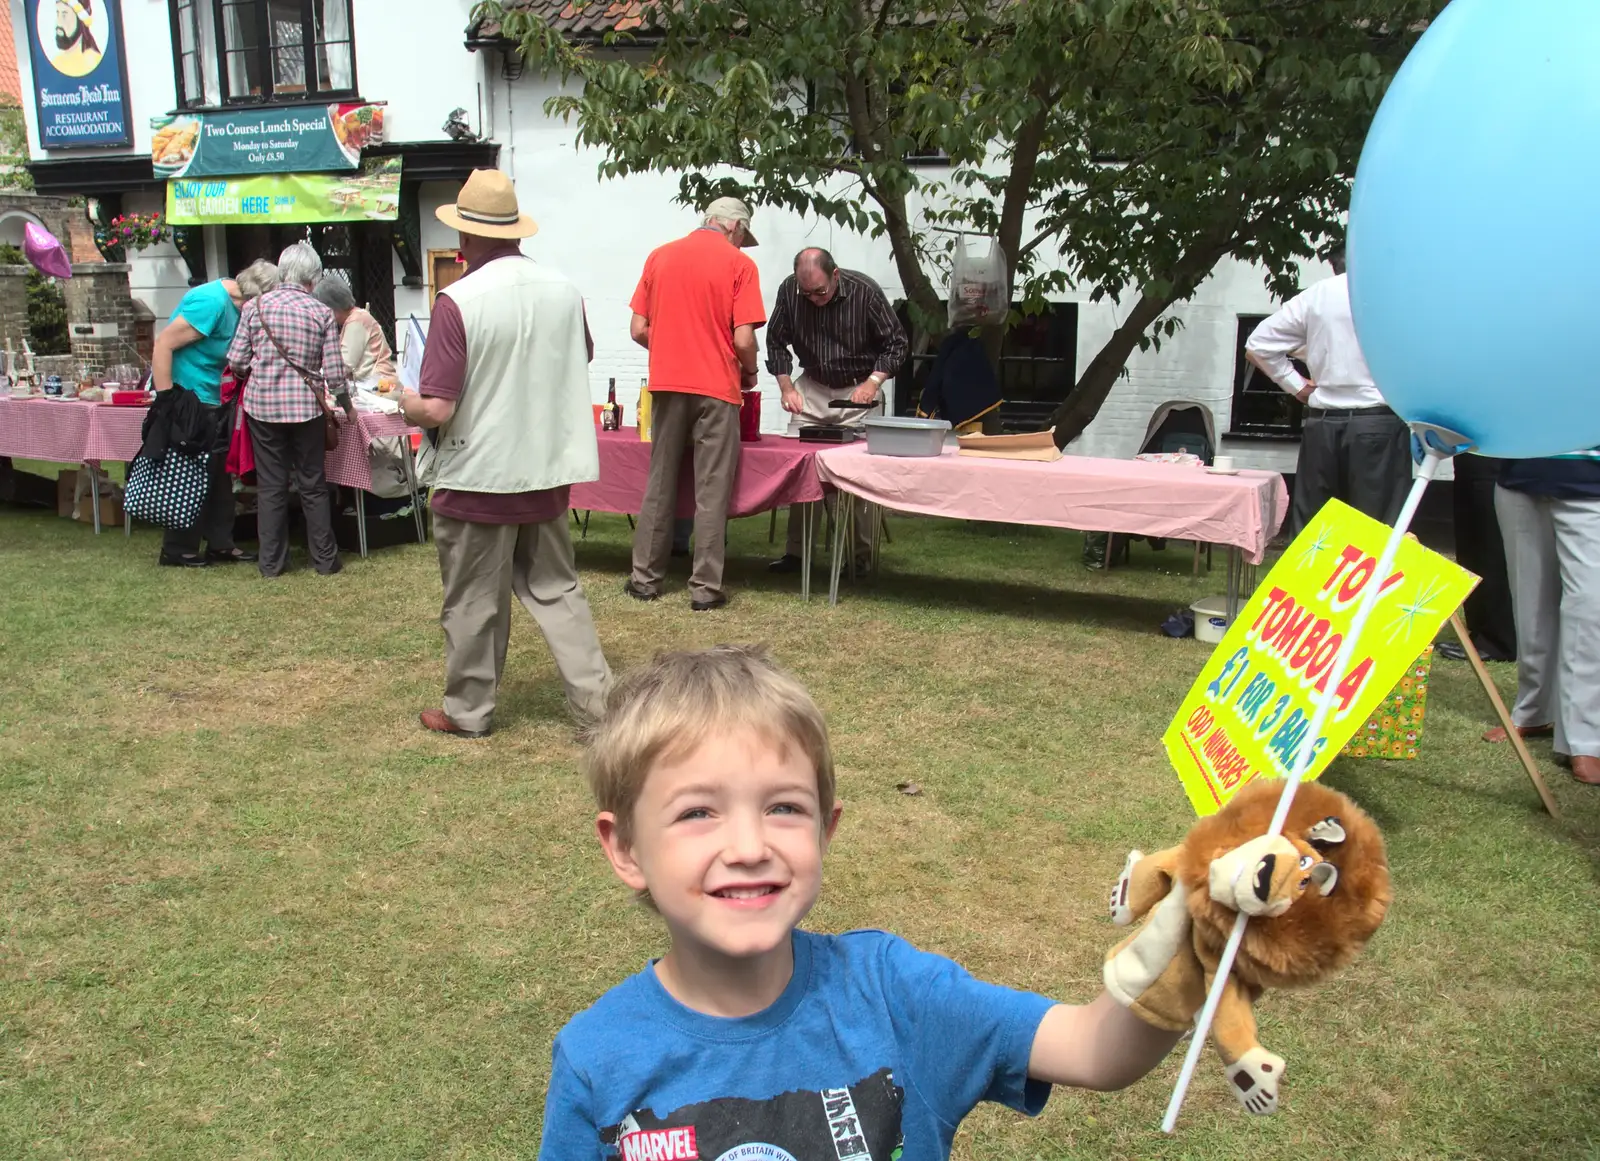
(1474,244)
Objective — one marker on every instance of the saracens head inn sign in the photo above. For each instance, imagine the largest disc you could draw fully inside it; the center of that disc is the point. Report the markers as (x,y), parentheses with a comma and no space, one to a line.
(80,72)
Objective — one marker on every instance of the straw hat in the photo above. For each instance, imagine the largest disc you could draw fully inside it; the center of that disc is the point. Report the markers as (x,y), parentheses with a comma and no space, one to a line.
(487,206)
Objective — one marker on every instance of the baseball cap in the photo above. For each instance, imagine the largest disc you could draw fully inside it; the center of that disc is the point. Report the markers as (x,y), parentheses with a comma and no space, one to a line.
(732,209)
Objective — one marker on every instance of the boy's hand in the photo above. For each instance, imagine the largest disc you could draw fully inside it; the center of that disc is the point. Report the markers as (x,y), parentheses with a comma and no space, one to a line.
(1154,973)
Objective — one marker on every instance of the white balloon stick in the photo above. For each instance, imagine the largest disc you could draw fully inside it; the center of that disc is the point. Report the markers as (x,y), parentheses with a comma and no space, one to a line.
(1303,759)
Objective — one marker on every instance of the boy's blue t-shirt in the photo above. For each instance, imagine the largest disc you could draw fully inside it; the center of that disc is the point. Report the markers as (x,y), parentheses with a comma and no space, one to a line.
(875,1051)
(198,366)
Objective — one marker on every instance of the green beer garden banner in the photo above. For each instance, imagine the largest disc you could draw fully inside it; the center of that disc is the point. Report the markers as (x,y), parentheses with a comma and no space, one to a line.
(373,195)
(300,139)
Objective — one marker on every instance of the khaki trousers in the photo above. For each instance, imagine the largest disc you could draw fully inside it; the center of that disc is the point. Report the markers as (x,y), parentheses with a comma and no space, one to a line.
(709,428)
(481,566)
(816,398)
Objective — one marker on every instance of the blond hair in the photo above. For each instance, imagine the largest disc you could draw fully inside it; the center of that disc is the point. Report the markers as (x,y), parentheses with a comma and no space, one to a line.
(662,712)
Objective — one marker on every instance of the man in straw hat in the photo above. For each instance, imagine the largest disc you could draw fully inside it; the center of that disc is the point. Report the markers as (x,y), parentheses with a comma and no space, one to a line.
(505,381)
(696,309)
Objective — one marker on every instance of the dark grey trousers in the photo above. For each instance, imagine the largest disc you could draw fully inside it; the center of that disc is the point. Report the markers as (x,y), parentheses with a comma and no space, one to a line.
(1364,460)
(215,522)
(283,450)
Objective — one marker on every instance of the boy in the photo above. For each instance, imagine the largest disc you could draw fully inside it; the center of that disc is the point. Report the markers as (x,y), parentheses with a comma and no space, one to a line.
(750,1038)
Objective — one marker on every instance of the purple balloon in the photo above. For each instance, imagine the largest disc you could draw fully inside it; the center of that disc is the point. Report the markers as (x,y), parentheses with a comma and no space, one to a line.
(43,249)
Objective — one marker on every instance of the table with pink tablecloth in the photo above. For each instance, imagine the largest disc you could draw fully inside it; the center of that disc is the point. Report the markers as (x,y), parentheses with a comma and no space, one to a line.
(71,431)
(1242,511)
(773,473)
(349,465)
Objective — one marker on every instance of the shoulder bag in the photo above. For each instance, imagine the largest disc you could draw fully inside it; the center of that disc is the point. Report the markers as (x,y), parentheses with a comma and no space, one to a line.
(314,380)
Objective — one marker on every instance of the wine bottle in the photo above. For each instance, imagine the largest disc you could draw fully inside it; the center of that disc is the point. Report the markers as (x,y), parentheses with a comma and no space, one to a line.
(609,418)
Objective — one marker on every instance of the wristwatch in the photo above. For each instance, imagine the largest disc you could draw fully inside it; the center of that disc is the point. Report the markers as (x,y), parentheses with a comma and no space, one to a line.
(877,378)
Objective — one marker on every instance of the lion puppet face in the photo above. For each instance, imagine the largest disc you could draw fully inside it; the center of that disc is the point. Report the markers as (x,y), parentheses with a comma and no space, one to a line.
(1315,895)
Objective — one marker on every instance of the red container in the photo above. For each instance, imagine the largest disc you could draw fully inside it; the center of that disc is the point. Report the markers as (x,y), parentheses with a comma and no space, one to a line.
(131,398)
(750,417)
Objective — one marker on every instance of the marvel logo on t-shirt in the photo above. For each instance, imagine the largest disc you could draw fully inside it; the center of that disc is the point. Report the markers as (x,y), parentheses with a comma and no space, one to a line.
(659,1145)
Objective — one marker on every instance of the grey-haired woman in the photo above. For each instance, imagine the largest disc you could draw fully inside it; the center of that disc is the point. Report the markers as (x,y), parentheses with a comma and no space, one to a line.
(287,351)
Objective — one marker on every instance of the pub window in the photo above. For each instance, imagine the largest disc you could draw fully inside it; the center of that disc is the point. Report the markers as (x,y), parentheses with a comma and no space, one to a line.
(186,60)
(284,50)
(1260,406)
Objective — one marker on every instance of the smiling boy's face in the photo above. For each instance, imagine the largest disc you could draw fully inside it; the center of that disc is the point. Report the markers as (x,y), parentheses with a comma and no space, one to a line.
(728,840)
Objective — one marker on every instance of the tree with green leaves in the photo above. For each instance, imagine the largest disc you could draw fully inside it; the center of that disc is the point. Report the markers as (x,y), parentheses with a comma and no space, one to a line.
(1123,147)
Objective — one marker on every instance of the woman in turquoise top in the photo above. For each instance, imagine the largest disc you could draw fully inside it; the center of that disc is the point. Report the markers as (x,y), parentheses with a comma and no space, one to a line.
(190,353)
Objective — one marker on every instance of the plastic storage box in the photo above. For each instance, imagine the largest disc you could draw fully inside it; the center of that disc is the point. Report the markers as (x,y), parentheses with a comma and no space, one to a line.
(1210,619)
(895,435)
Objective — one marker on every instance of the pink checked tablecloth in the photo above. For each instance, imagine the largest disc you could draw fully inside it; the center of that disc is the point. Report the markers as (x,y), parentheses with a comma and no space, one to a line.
(69,431)
(348,464)
(773,473)
(72,432)
(1093,495)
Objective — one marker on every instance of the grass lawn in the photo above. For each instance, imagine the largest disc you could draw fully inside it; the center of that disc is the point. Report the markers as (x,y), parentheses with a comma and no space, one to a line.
(252,910)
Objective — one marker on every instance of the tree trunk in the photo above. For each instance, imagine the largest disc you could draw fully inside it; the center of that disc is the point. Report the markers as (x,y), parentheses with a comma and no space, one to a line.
(1095,384)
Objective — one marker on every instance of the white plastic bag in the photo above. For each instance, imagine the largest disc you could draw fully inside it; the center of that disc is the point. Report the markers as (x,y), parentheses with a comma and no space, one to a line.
(978,286)
(387,459)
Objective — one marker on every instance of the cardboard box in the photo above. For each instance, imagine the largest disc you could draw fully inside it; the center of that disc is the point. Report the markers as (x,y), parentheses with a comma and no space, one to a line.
(1395,727)
(71,506)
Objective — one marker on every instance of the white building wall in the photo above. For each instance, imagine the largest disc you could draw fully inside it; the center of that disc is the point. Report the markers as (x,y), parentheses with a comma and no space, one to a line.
(410,54)
(599,232)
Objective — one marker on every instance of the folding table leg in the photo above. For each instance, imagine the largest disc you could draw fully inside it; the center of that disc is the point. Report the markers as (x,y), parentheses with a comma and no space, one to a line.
(1235,569)
(807,522)
(361,521)
(772,527)
(415,490)
(90,466)
(836,564)
(879,533)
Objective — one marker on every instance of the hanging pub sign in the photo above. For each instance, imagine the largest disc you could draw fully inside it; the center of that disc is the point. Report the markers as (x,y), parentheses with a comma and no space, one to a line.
(298,139)
(80,72)
(373,195)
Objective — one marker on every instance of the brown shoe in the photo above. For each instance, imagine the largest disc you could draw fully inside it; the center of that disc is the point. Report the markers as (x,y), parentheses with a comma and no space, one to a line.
(1498,733)
(439,722)
(1586,769)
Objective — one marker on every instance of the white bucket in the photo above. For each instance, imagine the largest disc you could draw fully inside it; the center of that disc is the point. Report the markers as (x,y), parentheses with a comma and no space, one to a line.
(1210,619)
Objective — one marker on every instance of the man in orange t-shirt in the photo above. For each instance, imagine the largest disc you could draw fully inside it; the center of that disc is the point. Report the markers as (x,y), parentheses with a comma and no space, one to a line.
(696,310)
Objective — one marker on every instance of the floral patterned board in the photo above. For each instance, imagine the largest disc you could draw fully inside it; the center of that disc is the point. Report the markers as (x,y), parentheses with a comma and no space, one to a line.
(1395,726)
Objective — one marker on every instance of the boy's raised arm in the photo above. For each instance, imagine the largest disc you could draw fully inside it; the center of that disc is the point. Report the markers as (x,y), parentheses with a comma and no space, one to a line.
(1100,1046)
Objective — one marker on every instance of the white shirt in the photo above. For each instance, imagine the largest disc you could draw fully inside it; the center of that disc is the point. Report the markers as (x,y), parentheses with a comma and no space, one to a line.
(1315,325)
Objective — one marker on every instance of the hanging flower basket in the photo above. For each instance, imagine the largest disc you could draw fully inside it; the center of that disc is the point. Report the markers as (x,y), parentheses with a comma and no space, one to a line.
(137,231)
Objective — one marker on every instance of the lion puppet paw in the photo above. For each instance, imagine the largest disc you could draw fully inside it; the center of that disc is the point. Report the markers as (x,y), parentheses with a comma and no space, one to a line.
(1121,912)
(1255,1077)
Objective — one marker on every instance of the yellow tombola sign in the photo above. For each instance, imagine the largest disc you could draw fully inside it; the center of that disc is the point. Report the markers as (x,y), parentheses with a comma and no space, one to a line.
(1251,706)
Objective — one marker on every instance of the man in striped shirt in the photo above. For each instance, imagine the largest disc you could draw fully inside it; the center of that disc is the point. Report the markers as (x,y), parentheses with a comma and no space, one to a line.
(849,341)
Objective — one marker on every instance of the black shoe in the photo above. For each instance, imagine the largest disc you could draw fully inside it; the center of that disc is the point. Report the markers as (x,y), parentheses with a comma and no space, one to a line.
(186,560)
(237,556)
(637,593)
(786,563)
(337,567)
(1450,650)
(706,606)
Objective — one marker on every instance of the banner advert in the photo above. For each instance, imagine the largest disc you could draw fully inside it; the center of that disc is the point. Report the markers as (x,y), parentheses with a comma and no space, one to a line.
(1251,706)
(299,139)
(373,195)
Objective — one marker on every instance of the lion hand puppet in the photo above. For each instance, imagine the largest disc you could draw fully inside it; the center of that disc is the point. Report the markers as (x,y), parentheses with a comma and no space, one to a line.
(1314,895)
